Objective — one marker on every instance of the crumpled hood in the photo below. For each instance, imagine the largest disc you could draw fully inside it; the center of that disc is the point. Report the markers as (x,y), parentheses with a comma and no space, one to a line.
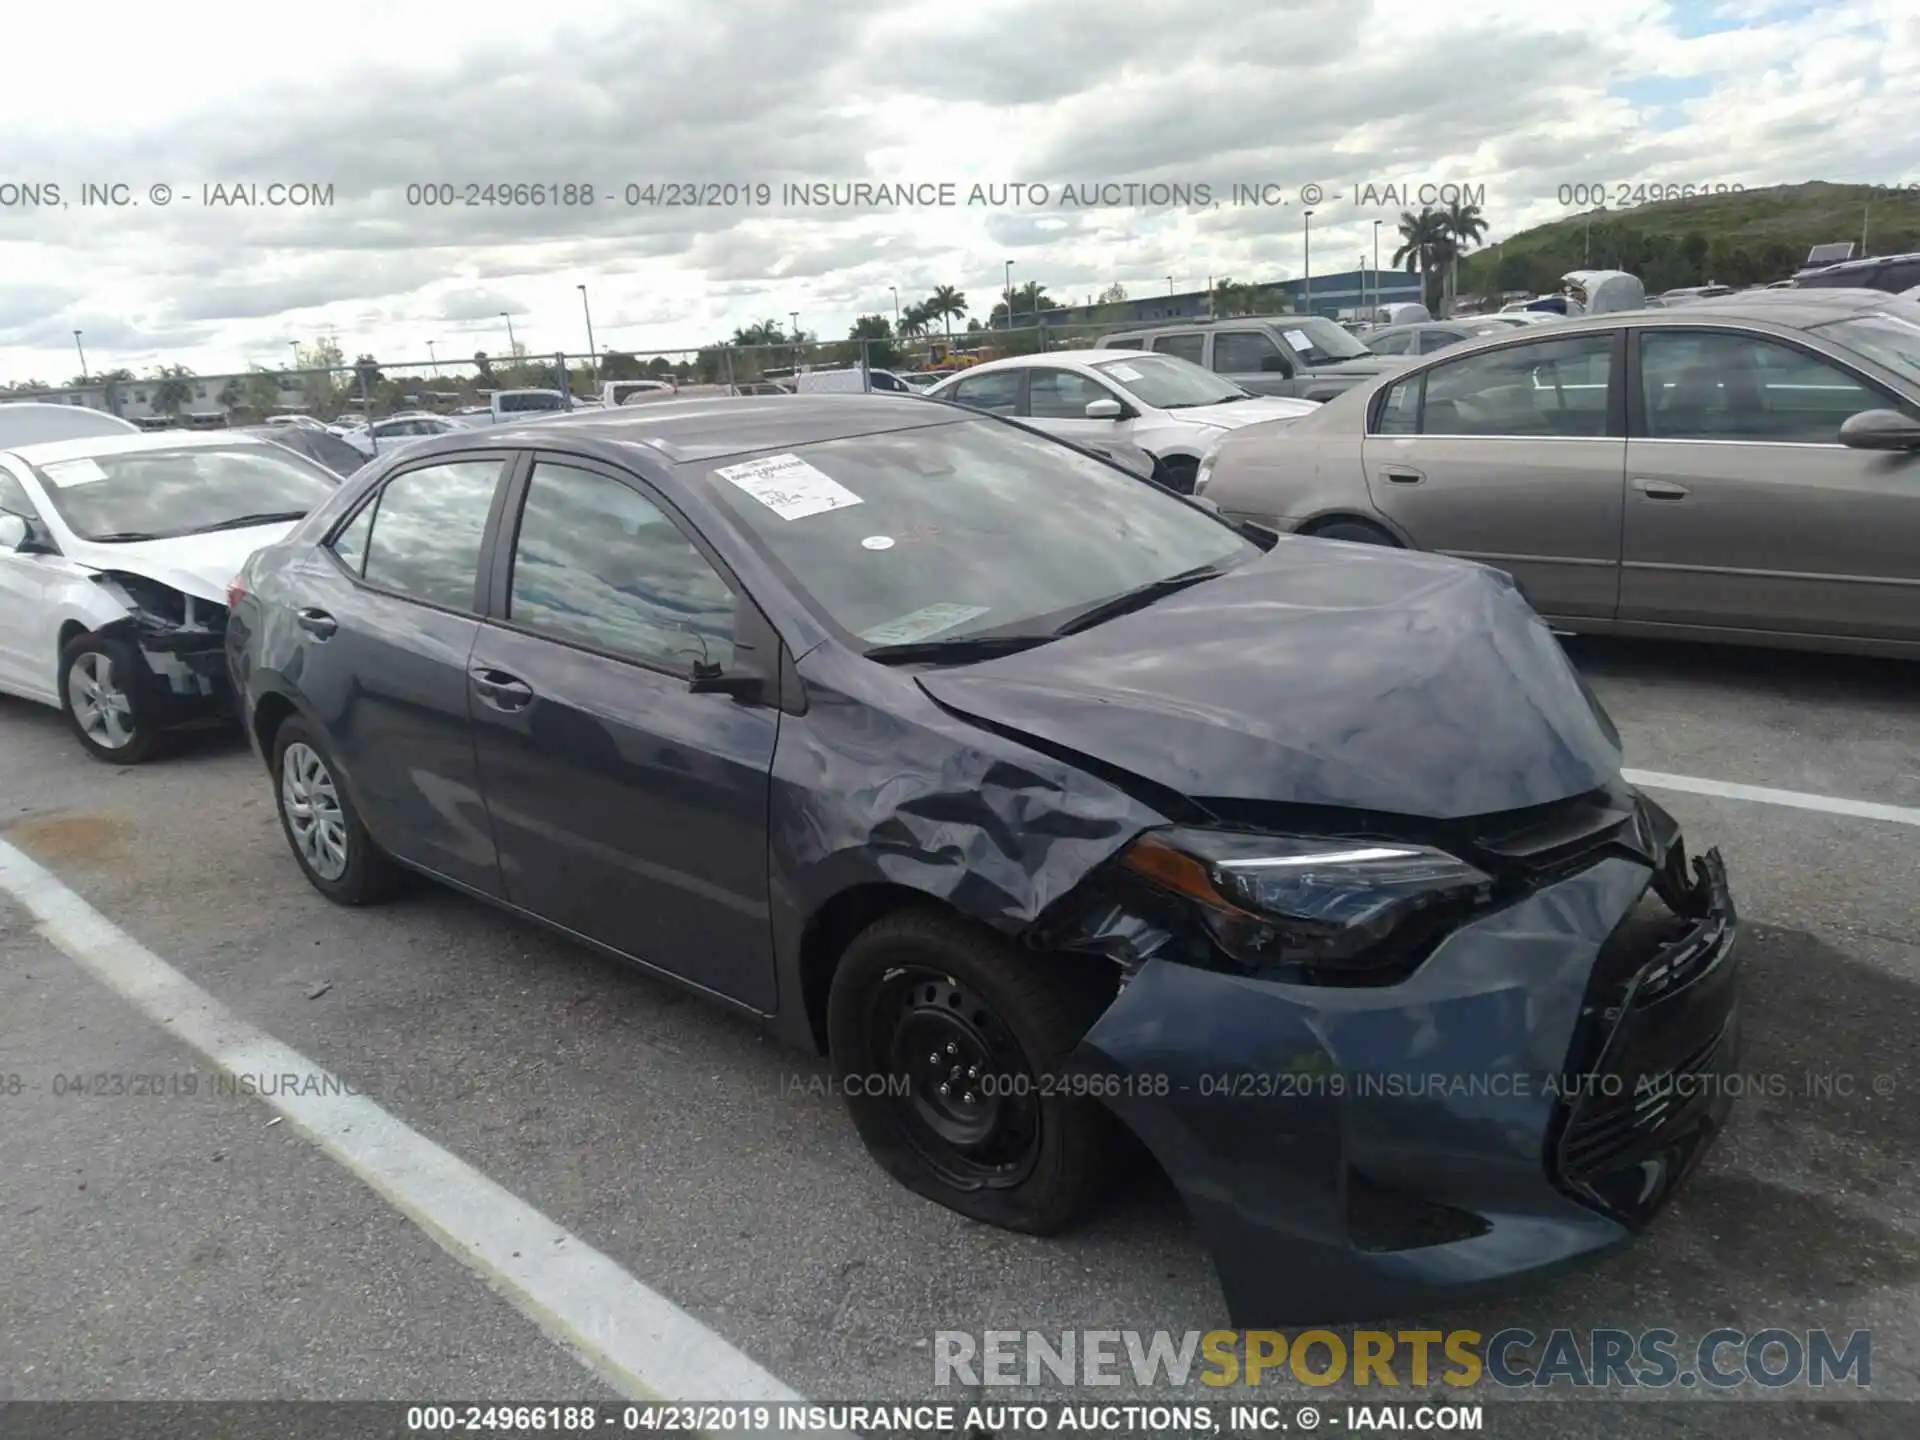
(1238,413)
(1321,674)
(198,565)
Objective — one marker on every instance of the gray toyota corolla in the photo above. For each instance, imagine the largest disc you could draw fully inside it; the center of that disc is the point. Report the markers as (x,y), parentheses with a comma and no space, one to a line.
(1053,806)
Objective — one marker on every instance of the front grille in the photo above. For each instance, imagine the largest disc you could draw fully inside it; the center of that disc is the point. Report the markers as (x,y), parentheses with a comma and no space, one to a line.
(1606,1127)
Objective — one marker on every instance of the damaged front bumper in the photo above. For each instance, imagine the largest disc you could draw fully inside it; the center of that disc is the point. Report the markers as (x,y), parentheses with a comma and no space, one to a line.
(182,645)
(1529,1097)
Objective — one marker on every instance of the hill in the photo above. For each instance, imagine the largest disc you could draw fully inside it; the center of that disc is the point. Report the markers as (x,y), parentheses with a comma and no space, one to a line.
(1746,237)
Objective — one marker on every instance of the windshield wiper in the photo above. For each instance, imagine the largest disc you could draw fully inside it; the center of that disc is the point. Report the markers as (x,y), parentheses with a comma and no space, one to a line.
(241,522)
(959,648)
(1138,598)
(121,537)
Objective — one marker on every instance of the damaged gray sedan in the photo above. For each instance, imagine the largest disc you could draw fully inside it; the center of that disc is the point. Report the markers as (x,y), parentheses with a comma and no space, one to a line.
(1052,806)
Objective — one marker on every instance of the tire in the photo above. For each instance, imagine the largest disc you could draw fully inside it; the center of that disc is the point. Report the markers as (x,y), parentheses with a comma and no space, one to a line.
(908,994)
(106,694)
(1357,532)
(1178,474)
(332,846)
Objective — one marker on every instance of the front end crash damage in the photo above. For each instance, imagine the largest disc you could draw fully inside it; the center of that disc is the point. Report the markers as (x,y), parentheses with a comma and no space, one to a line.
(182,643)
(1494,1090)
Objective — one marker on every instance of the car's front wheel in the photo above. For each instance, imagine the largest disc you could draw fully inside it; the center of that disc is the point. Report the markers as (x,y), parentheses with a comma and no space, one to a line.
(105,695)
(1357,532)
(946,1043)
(1178,473)
(322,827)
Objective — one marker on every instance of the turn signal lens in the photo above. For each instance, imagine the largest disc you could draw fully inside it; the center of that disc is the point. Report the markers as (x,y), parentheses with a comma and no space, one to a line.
(236,588)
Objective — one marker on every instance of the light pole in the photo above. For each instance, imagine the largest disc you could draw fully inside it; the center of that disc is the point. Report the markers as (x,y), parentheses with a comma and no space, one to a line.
(593,358)
(83,357)
(1376,265)
(896,308)
(794,316)
(1169,287)
(1009,295)
(433,358)
(1306,232)
(513,345)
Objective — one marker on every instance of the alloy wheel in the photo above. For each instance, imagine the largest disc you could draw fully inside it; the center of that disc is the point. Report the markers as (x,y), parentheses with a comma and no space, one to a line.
(311,803)
(103,710)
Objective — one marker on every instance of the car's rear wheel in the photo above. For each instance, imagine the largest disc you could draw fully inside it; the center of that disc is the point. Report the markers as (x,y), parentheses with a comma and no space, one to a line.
(1178,473)
(946,1042)
(322,827)
(1358,532)
(105,695)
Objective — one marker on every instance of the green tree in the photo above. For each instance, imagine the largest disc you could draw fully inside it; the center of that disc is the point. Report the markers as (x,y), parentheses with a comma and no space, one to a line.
(1465,228)
(913,321)
(875,335)
(618,365)
(1423,248)
(172,388)
(946,305)
(231,396)
(260,391)
(483,363)
(1114,294)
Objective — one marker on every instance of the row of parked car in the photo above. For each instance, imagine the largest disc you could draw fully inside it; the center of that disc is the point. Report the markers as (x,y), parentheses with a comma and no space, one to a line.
(949,749)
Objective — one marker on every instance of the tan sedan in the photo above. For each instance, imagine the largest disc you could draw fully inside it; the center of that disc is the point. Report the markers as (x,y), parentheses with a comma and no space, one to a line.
(1746,469)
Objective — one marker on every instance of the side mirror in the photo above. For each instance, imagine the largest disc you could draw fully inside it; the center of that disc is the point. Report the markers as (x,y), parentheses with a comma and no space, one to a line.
(1881,430)
(711,679)
(1108,409)
(14,534)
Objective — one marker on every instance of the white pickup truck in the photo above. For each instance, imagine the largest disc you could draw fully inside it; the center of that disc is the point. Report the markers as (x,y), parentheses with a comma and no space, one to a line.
(514,405)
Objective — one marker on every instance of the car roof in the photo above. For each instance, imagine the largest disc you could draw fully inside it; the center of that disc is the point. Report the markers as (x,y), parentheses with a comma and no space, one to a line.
(1069,357)
(51,452)
(706,429)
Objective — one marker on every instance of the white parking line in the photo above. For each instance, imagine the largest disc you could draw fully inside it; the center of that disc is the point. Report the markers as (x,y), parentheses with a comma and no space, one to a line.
(1760,794)
(638,1341)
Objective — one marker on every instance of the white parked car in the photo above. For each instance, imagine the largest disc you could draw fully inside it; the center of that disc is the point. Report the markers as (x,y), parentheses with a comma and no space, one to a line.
(397,430)
(28,422)
(849,382)
(1171,408)
(115,556)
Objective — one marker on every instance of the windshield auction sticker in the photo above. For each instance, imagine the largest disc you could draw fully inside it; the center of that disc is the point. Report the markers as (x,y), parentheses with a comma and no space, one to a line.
(789,486)
(69,473)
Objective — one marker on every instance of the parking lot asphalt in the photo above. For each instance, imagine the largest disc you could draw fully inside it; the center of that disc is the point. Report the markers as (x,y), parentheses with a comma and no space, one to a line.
(174,1245)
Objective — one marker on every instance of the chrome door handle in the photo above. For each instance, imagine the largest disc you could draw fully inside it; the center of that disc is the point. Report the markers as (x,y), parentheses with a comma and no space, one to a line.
(1399,476)
(317,623)
(1660,489)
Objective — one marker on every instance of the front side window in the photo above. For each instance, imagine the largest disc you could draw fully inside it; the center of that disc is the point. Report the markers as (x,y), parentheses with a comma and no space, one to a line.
(1705,385)
(998,393)
(1061,394)
(1548,388)
(960,528)
(1242,352)
(1191,348)
(598,564)
(159,494)
(427,532)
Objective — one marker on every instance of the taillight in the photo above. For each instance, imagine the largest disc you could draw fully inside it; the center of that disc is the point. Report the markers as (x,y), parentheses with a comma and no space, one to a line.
(236,588)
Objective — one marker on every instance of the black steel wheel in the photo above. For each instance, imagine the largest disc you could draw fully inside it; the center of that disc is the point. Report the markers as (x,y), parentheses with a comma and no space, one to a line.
(950,1046)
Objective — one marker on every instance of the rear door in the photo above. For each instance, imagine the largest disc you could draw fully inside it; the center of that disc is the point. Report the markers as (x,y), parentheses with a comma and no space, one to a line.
(1743,509)
(387,614)
(1254,361)
(629,808)
(29,582)
(1515,457)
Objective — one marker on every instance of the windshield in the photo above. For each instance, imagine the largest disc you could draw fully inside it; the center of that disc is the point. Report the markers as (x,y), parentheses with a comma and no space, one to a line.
(1890,339)
(156,494)
(961,529)
(530,400)
(1317,340)
(1166,382)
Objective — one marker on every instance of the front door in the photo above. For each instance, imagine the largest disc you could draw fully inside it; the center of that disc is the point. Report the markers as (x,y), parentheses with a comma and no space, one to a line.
(1057,403)
(1254,361)
(1512,457)
(1745,511)
(629,808)
(29,582)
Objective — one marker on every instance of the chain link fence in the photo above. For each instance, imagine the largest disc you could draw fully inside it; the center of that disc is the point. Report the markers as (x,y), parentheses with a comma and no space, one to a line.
(348,393)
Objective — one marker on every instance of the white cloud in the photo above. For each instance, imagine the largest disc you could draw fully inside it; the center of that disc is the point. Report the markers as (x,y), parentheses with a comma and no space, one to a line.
(369,97)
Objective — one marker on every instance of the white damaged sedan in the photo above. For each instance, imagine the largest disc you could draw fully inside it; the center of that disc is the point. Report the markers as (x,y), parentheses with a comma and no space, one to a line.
(1171,408)
(115,555)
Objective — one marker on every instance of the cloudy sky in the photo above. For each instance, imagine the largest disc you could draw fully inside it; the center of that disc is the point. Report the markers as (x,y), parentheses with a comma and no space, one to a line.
(1520,96)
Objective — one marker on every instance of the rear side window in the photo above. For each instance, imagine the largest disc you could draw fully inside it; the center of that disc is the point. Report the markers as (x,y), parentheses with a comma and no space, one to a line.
(1187,347)
(1400,344)
(1542,388)
(427,530)
(997,393)
(1399,412)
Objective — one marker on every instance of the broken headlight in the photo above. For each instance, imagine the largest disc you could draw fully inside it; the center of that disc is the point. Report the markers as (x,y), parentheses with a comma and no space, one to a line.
(1357,911)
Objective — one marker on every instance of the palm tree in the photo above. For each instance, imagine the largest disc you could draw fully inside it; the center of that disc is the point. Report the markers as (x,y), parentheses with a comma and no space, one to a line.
(172,390)
(1466,227)
(914,320)
(1424,243)
(945,304)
